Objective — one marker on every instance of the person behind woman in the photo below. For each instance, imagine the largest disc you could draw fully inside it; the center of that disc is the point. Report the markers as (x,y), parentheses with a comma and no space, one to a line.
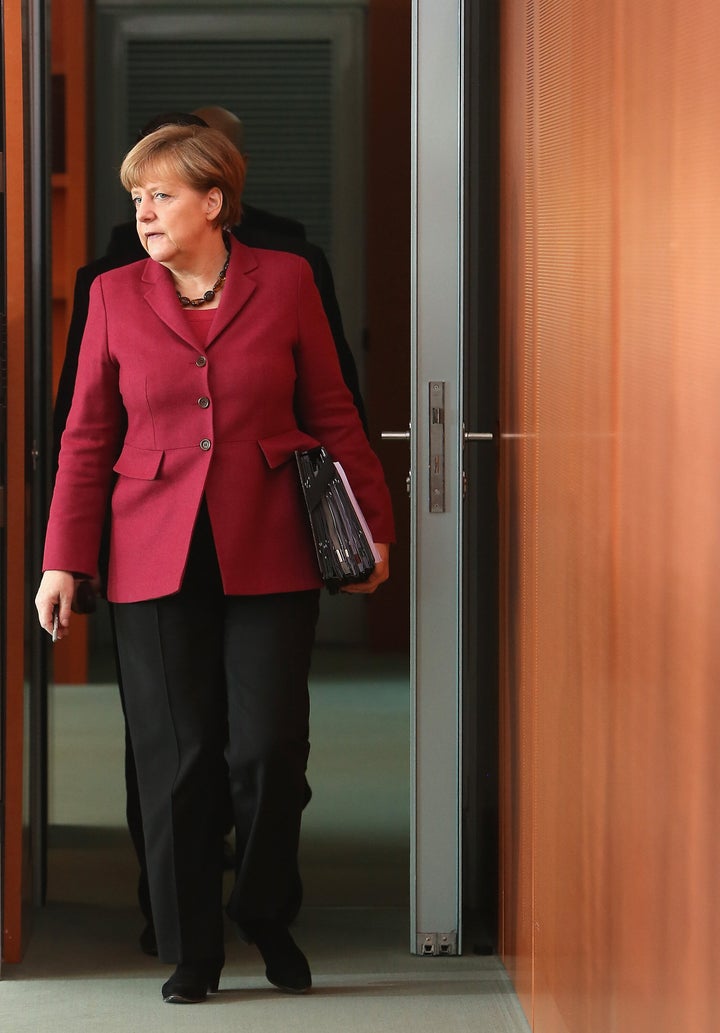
(202,369)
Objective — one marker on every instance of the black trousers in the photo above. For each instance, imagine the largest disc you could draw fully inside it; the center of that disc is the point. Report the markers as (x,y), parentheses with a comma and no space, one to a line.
(212,684)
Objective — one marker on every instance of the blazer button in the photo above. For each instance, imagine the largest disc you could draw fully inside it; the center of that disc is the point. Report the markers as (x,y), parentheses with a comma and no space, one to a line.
(206,444)
(201,361)
(203,402)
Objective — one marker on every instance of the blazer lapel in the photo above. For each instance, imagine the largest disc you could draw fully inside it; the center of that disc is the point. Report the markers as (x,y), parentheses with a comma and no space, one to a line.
(162,299)
(238,287)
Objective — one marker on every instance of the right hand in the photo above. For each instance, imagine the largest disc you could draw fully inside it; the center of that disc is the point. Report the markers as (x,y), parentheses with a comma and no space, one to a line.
(56,590)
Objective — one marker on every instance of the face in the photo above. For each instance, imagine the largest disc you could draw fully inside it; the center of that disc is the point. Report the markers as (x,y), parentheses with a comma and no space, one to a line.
(174,220)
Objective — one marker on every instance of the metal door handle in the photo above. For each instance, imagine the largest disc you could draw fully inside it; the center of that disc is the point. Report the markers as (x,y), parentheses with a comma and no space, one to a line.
(398,435)
(468,435)
(473,435)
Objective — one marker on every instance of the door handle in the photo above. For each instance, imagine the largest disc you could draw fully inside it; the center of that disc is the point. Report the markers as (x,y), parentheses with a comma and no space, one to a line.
(398,435)
(436,488)
(476,435)
(473,435)
(468,435)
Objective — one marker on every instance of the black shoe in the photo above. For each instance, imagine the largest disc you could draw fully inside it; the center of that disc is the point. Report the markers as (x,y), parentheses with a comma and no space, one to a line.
(148,943)
(190,984)
(286,966)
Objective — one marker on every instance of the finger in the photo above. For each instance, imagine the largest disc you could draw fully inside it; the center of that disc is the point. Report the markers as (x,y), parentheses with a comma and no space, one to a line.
(64,609)
(52,598)
(45,607)
(380,574)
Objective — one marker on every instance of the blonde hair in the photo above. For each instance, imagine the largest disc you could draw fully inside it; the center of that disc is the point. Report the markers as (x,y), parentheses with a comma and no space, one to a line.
(201,157)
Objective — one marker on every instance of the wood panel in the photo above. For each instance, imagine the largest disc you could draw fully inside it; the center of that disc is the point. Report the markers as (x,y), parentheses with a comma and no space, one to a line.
(69,251)
(611,501)
(516,538)
(15,873)
(71,207)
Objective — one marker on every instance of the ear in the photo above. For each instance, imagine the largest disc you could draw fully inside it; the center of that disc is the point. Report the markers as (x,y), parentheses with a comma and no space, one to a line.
(214,201)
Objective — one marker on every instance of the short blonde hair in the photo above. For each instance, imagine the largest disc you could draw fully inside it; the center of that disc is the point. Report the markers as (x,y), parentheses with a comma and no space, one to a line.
(201,157)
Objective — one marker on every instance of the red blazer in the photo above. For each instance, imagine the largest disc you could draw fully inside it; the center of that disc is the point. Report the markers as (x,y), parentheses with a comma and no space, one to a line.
(222,420)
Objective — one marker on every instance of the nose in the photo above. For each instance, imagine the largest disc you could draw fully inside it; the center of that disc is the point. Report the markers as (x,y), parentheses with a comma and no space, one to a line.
(144,211)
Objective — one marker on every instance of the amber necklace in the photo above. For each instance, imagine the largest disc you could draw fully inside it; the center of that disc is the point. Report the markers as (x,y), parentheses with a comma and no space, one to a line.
(209,294)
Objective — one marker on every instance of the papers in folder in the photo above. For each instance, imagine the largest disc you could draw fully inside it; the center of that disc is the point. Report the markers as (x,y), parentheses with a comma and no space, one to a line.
(345,551)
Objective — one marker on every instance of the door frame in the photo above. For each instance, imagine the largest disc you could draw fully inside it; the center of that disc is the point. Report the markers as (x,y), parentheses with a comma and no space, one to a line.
(435,524)
(454,554)
(437,334)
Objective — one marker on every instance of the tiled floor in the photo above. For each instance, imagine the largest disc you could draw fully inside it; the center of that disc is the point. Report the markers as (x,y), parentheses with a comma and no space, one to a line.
(84,971)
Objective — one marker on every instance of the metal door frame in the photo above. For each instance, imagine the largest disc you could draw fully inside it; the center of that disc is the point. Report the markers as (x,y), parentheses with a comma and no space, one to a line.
(436,560)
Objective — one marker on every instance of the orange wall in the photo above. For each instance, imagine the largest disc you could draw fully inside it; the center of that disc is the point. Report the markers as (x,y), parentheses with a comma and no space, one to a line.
(71,205)
(611,509)
(69,251)
(15,876)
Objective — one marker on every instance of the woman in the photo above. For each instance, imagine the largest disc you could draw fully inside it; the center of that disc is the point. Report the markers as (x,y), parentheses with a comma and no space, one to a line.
(202,369)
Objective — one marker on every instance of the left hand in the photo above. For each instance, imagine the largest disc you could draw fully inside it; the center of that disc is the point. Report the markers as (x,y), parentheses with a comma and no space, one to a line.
(55,594)
(380,573)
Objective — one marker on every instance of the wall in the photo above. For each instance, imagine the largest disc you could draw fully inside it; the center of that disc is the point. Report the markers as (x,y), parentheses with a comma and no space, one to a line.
(14,862)
(71,202)
(611,507)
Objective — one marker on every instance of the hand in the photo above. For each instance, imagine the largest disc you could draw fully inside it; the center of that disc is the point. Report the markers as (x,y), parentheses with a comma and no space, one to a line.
(56,590)
(380,573)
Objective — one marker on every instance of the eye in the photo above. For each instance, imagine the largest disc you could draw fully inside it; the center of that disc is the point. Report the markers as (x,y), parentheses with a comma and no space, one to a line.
(160,196)
(135,201)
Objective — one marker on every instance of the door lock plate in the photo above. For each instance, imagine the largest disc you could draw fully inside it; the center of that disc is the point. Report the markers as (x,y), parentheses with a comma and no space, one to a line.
(436,403)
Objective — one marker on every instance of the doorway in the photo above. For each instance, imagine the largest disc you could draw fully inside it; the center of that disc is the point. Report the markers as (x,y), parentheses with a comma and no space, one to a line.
(386,347)
(360,672)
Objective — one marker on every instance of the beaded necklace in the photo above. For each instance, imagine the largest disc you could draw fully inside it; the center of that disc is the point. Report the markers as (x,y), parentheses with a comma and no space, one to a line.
(209,294)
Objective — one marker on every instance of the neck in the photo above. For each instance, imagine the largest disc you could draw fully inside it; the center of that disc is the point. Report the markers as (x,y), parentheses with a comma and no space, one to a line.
(198,282)
(197,269)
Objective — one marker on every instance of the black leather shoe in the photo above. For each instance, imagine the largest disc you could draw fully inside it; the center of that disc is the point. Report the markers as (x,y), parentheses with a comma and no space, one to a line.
(148,943)
(190,984)
(286,966)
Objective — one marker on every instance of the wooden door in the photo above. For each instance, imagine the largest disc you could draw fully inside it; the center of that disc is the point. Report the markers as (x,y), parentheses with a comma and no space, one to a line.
(610,502)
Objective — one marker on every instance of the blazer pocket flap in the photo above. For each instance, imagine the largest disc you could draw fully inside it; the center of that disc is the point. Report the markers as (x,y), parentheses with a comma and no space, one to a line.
(280,447)
(142,463)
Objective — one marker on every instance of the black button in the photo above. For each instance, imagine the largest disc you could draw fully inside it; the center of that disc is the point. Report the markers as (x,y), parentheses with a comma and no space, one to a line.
(206,444)
(201,361)
(203,402)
